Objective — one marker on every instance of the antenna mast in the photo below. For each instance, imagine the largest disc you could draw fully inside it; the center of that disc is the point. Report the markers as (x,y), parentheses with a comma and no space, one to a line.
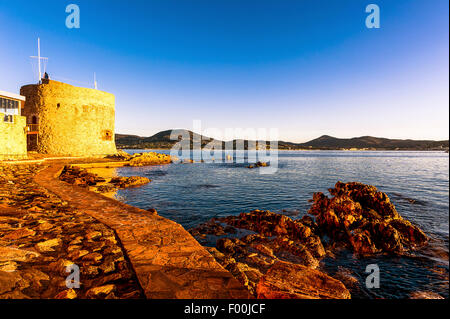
(39,58)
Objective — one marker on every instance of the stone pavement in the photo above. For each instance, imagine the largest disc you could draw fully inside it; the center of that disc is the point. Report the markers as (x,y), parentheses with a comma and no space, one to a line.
(168,261)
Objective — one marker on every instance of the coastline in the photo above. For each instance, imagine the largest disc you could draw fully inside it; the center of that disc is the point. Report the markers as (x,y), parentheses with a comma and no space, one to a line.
(42,234)
(161,189)
(167,262)
(303,150)
(225,261)
(136,232)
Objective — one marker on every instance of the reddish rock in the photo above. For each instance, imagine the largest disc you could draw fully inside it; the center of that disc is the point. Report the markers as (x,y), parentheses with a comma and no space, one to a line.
(258,164)
(347,277)
(80,177)
(78,253)
(45,226)
(48,245)
(365,219)
(101,291)
(149,158)
(67,294)
(291,281)
(93,182)
(278,237)
(264,250)
(92,235)
(132,181)
(94,257)
(270,224)
(19,233)
(228,245)
(425,295)
(60,266)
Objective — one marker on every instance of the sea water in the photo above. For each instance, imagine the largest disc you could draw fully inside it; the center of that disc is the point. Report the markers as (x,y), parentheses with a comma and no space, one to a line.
(416,182)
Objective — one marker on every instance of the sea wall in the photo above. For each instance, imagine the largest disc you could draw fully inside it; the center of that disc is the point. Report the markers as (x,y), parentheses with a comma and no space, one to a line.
(72,121)
(13,143)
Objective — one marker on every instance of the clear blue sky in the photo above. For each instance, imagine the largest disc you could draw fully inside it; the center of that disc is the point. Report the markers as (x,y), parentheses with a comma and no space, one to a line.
(306,67)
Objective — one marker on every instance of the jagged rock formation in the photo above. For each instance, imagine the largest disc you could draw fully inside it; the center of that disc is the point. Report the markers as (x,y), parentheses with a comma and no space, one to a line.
(149,158)
(281,258)
(143,159)
(83,178)
(300,236)
(365,219)
(258,164)
(276,238)
(290,281)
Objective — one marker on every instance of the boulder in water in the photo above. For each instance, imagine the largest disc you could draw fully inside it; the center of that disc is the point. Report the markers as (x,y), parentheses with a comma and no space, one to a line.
(365,219)
(286,280)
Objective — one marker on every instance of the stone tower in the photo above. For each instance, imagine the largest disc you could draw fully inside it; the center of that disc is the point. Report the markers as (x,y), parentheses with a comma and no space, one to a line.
(69,120)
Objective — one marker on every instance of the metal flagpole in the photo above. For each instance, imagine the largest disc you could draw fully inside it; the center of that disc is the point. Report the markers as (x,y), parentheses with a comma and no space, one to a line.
(39,59)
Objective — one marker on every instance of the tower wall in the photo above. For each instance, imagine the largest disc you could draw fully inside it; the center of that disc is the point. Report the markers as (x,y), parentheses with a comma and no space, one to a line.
(72,121)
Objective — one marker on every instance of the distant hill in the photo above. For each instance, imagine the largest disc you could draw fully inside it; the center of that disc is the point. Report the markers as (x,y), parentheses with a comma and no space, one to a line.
(370,142)
(162,140)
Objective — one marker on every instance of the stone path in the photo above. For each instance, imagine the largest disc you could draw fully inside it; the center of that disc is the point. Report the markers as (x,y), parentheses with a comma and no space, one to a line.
(168,261)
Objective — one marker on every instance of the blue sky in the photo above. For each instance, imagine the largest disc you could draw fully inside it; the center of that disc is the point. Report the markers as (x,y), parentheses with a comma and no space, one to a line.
(307,68)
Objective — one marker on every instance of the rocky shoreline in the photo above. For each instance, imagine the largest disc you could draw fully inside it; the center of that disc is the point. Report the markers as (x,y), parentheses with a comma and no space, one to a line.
(93,182)
(49,227)
(365,220)
(78,176)
(281,257)
(40,235)
(270,254)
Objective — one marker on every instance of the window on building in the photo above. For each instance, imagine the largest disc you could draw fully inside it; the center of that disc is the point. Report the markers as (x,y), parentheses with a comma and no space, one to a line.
(8,118)
(8,106)
(107,135)
(3,103)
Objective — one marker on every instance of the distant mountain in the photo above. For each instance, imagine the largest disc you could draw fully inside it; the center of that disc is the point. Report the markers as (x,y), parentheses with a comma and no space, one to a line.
(162,140)
(159,140)
(370,142)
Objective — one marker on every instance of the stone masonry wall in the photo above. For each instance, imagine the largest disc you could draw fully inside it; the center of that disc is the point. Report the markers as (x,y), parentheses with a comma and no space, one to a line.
(73,121)
(13,143)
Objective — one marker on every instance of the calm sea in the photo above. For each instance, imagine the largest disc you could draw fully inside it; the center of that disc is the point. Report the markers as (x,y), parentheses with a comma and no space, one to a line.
(416,182)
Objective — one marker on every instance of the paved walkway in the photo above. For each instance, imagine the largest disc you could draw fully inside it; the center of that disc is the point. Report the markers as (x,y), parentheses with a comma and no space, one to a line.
(168,261)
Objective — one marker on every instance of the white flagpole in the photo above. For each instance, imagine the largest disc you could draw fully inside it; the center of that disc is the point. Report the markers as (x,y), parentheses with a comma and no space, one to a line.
(39,59)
